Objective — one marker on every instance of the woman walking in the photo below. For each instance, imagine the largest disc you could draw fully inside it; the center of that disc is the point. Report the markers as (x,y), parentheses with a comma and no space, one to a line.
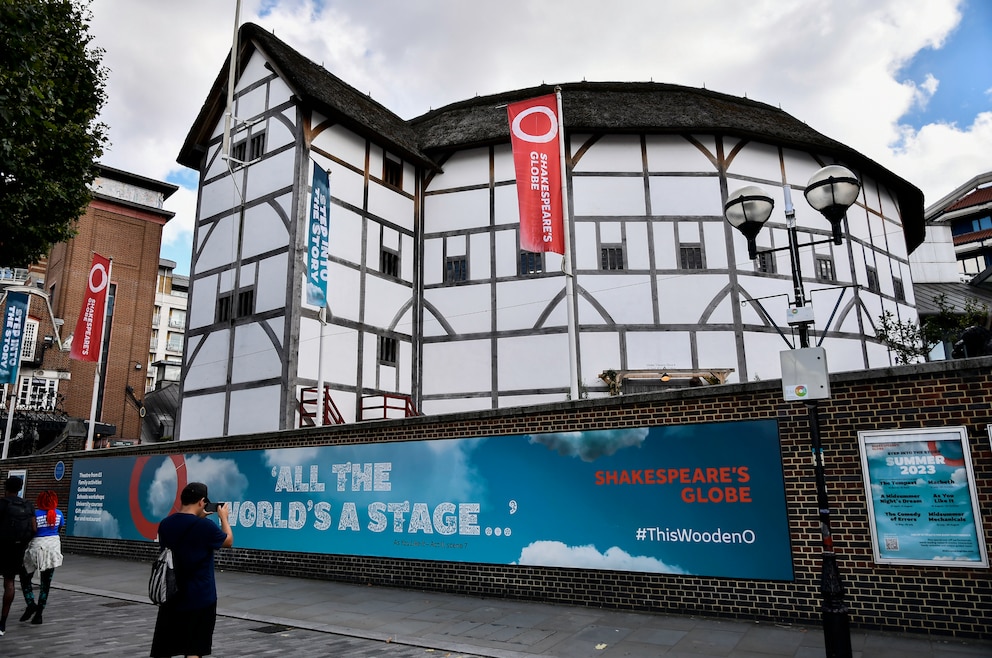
(44,553)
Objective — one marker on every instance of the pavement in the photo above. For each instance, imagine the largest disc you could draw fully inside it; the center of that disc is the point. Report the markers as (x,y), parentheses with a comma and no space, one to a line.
(99,607)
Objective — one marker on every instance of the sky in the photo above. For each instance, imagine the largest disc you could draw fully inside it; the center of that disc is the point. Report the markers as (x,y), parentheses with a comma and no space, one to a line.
(905,82)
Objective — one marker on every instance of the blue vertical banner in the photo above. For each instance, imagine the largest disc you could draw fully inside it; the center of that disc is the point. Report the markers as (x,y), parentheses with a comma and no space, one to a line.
(704,499)
(14,315)
(317,239)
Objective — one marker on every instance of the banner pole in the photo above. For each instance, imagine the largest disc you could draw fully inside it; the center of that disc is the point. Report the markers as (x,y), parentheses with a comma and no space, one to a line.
(11,401)
(573,348)
(99,363)
(322,316)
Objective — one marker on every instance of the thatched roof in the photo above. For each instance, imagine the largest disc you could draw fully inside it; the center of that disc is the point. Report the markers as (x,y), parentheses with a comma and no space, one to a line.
(616,107)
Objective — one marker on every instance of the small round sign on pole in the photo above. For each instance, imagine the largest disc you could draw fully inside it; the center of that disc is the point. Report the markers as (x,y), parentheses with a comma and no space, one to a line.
(60,470)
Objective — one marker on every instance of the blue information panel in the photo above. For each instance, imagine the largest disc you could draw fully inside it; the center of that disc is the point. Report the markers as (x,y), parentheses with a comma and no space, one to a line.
(702,499)
(921,497)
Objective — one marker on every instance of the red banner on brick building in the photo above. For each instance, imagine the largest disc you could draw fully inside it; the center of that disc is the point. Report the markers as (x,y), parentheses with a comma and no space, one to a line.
(88,337)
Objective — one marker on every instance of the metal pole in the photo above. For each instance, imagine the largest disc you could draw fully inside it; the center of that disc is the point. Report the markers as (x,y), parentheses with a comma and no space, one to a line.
(836,627)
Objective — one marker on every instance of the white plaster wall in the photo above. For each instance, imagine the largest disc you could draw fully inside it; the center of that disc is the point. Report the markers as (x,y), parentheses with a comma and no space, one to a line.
(217,196)
(202,417)
(254,354)
(254,410)
(345,235)
(665,252)
(469,167)
(271,291)
(342,292)
(391,205)
(527,362)
(219,246)
(656,349)
(265,229)
(455,211)
(203,303)
(384,298)
(601,195)
(672,153)
(614,153)
(271,173)
(625,298)
(934,260)
(208,367)
(436,407)
(600,351)
(466,308)
(344,144)
(506,209)
(457,367)
(520,303)
(715,245)
(684,300)
(755,160)
(480,264)
(685,195)
(636,252)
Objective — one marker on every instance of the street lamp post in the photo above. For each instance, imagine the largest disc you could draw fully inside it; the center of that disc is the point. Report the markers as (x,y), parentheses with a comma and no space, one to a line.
(831,191)
(129,391)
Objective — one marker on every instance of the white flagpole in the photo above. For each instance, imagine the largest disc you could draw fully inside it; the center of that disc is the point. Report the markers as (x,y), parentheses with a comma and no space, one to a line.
(573,346)
(99,361)
(322,316)
(232,70)
(11,401)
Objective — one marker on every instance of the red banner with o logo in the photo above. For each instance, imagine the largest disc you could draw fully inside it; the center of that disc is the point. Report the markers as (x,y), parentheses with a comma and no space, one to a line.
(88,338)
(534,135)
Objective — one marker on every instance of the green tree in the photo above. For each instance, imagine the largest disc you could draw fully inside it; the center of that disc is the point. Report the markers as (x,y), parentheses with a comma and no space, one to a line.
(52,88)
(911,341)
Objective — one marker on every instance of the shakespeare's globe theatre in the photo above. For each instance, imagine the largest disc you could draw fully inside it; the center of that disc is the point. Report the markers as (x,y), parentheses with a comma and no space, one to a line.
(430,295)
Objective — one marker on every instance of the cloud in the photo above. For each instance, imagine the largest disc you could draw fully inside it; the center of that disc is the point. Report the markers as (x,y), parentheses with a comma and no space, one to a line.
(557,554)
(833,66)
(222,477)
(591,445)
(106,528)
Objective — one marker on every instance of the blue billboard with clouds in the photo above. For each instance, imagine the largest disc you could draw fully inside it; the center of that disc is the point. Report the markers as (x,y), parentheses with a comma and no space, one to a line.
(700,499)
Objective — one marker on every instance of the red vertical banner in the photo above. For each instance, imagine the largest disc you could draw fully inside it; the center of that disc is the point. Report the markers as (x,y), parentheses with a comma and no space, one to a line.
(534,137)
(88,337)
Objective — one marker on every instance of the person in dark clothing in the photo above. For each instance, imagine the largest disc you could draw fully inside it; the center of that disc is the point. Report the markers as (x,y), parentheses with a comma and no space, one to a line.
(12,549)
(185,625)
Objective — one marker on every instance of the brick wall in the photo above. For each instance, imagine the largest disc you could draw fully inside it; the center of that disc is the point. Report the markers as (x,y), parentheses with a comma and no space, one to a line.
(927,599)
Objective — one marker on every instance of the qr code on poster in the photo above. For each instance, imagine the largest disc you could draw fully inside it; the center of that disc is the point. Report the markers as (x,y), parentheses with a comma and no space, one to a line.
(892,543)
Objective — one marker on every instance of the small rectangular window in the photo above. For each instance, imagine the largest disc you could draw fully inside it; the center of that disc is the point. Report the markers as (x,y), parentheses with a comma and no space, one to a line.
(389,263)
(387,350)
(765,263)
(246,302)
(392,173)
(256,146)
(691,257)
(223,311)
(611,258)
(900,292)
(872,279)
(825,269)
(531,263)
(28,340)
(456,269)
(239,151)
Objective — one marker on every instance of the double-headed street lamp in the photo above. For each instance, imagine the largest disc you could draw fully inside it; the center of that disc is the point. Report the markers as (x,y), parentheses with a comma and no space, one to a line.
(831,191)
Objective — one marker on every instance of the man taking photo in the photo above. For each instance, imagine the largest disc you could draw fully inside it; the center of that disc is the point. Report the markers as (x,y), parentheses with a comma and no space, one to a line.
(185,625)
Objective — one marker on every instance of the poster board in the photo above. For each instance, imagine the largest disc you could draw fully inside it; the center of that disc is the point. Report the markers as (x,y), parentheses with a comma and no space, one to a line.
(700,499)
(922,504)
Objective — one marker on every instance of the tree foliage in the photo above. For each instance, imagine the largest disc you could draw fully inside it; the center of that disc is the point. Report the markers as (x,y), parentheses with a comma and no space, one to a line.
(911,341)
(52,88)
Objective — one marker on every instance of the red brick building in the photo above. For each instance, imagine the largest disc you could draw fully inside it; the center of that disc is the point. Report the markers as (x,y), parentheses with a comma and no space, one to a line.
(124,223)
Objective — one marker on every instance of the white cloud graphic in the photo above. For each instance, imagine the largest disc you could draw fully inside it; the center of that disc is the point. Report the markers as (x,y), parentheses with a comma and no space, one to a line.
(557,554)
(591,445)
(106,528)
(290,456)
(223,479)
